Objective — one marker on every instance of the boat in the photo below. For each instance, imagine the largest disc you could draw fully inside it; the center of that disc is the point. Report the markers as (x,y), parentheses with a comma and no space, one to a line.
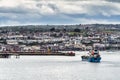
(70,54)
(4,55)
(93,56)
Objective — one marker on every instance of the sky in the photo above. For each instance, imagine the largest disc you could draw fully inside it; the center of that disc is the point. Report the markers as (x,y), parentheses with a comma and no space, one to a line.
(30,12)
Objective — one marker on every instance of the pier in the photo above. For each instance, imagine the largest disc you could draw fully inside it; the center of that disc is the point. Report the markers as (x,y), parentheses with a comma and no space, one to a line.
(17,54)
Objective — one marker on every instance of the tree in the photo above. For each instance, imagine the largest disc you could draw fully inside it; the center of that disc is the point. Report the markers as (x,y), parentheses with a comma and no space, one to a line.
(52,29)
(76,30)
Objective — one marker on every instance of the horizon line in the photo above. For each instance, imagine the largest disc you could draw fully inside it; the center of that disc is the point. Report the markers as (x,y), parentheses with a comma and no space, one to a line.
(60,24)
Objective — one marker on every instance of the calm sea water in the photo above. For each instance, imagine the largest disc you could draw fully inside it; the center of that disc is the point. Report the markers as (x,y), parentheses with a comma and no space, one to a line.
(61,68)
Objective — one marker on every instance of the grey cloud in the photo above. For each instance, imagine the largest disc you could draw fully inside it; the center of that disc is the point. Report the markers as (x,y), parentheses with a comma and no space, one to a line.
(113,0)
(11,10)
(18,10)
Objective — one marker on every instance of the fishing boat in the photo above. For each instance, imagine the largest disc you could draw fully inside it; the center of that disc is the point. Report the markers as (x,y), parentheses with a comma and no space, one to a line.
(93,56)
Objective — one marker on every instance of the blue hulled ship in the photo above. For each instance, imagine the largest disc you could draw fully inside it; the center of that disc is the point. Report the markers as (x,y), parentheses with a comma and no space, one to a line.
(93,56)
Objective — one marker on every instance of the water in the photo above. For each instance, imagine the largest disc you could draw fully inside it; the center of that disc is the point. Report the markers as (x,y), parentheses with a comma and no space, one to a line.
(61,68)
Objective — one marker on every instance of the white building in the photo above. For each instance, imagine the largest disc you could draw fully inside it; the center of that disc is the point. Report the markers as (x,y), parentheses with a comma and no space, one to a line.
(12,42)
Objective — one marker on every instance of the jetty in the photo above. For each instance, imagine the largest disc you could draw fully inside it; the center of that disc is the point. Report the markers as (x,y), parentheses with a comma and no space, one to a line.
(17,54)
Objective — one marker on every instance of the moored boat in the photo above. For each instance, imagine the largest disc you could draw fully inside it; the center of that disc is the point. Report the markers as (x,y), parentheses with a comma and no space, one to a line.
(70,54)
(4,55)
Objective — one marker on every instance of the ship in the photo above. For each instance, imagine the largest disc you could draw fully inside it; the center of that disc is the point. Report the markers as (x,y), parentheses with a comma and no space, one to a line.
(93,56)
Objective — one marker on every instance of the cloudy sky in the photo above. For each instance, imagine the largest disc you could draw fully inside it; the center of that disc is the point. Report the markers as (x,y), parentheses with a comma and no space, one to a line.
(17,12)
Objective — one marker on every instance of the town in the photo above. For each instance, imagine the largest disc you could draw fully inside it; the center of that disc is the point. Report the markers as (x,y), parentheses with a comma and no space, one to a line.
(44,38)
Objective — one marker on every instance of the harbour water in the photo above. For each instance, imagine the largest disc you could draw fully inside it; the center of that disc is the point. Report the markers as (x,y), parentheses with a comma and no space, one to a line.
(61,67)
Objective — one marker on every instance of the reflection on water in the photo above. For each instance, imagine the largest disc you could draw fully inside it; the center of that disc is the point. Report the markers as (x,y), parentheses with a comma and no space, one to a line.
(60,68)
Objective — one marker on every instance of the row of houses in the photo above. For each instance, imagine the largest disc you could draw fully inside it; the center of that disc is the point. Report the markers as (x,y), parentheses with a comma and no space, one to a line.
(44,40)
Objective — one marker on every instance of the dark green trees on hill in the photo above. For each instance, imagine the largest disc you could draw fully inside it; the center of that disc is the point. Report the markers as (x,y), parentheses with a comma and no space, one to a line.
(77,30)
